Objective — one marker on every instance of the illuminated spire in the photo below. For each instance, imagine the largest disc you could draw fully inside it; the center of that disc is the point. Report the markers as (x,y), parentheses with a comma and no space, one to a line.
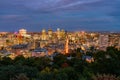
(67,46)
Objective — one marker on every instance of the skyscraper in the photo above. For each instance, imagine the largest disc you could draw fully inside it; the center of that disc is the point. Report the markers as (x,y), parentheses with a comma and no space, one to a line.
(103,42)
(50,32)
(44,36)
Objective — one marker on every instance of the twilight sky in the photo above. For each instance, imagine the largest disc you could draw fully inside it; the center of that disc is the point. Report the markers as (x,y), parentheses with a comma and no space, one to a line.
(72,15)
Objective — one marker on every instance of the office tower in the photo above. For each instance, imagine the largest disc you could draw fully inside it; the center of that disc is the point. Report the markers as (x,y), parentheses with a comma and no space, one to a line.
(58,33)
(103,42)
(50,33)
(44,35)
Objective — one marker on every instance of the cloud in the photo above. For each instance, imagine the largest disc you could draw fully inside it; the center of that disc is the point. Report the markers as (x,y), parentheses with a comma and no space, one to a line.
(10,16)
(78,3)
(88,14)
(13,18)
(43,5)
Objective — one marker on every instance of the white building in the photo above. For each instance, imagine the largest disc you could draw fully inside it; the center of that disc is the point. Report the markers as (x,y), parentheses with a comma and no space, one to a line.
(23,32)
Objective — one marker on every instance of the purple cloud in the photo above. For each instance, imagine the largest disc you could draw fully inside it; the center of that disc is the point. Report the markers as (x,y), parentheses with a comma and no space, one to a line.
(49,5)
(64,13)
(10,16)
(78,3)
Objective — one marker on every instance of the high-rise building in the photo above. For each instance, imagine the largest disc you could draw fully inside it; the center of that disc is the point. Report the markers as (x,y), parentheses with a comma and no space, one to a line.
(50,32)
(22,35)
(58,33)
(23,32)
(44,35)
(62,33)
(103,42)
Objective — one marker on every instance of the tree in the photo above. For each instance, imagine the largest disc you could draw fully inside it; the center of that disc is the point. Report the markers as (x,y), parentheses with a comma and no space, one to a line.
(30,62)
(71,73)
(105,77)
(7,72)
(107,62)
(59,59)
(20,77)
(6,61)
(42,62)
(19,60)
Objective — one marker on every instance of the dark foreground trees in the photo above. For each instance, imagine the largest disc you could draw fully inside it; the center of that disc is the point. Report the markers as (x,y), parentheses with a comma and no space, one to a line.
(106,64)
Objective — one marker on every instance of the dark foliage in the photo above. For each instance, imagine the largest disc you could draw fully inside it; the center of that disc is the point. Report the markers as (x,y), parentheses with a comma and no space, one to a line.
(61,68)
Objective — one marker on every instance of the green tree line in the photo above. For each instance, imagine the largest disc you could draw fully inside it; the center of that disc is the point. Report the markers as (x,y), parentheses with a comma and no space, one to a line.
(106,66)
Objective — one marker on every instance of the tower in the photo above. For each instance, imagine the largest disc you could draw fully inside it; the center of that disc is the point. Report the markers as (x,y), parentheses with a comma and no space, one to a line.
(103,41)
(67,46)
(50,32)
(44,34)
(58,33)
(62,33)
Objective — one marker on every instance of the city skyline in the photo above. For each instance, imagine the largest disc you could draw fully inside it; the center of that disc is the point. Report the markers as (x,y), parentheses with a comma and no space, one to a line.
(71,15)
